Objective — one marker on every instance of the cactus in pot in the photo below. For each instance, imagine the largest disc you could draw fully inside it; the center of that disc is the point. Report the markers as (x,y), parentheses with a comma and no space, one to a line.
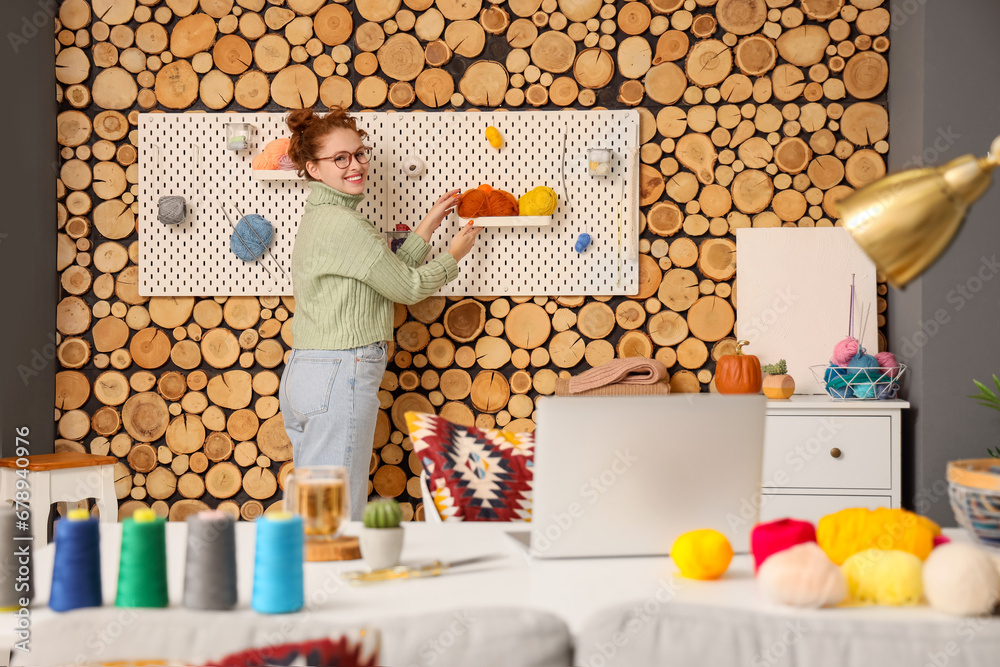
(381,539)
(777,382)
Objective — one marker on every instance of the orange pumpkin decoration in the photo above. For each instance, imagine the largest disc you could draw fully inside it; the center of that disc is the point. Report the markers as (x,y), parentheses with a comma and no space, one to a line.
(738,373)
(486,201)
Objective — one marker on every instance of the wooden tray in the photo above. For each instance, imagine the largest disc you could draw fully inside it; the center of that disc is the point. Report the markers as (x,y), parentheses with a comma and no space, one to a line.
(342,548)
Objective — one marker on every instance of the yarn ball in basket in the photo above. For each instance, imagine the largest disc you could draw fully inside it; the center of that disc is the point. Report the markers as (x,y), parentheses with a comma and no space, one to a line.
(889,578)
(702,554)
(771,537)
(845,350)
(287,164)
(858,368)
(888,361)
(835,378)
(486,201)
(244,242)
(802,576)
(961,579)
(538,201)
(271,155)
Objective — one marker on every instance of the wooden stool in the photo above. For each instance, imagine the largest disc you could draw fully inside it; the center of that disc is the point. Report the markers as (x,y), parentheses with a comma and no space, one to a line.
(63,477)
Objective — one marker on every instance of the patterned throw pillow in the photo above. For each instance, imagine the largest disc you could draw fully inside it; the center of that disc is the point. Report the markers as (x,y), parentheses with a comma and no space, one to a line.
(474,475)
(336,652)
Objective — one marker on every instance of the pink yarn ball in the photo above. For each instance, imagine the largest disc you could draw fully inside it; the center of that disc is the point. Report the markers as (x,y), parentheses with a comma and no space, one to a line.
(888,360)
(767,539)
(845,350)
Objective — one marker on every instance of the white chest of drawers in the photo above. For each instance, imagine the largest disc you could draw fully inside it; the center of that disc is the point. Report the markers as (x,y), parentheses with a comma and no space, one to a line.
(821,456)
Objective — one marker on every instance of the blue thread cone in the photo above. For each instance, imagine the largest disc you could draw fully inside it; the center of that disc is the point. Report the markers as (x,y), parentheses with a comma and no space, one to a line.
(278,586)
(76,574)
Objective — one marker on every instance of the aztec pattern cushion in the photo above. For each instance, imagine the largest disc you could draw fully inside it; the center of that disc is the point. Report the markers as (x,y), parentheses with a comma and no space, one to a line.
(474,475)
(339,652)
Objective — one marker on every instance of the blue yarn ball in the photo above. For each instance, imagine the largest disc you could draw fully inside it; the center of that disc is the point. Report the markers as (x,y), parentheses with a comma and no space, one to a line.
(864,361)
(886,390)
(582,241)
(839,392)
(834,376)
(244,242)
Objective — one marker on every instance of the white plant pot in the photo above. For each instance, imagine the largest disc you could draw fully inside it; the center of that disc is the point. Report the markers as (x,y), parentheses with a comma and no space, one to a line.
(380,547)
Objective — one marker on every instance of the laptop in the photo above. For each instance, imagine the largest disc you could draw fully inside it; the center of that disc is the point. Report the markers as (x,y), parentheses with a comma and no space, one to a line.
(627,475)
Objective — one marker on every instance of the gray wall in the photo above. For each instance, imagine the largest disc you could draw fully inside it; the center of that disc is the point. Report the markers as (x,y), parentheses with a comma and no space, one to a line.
(944,102)
(28,223)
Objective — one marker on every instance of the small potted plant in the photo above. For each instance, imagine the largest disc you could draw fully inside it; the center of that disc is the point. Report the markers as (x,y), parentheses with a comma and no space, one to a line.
(381,540)
(777,382)
(990,399)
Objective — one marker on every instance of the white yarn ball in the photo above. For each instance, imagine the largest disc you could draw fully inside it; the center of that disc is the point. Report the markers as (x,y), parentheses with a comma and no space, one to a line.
(802,576)
(413,166)
(961,579)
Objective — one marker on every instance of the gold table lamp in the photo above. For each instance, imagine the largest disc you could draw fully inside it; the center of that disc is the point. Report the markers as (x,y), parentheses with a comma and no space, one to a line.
(905,221)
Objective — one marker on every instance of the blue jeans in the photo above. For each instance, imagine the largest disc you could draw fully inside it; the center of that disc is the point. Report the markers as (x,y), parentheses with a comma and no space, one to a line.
(329,401)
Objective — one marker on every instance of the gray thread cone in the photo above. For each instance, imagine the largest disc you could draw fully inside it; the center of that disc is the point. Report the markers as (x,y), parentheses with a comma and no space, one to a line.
(210,569)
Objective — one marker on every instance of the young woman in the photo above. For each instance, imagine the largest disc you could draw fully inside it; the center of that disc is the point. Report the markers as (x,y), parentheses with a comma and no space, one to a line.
(345,281)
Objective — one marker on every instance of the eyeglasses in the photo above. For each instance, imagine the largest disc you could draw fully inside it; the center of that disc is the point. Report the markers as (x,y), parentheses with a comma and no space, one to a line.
(343,160)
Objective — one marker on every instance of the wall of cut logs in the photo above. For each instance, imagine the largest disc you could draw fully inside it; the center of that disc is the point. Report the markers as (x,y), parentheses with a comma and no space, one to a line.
(754,113)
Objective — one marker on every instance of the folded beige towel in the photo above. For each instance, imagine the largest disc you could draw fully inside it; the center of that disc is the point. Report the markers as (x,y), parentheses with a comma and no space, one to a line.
(632,370)
(659,388)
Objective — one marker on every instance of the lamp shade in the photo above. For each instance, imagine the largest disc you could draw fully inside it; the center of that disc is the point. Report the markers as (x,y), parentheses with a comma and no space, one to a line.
(905,221)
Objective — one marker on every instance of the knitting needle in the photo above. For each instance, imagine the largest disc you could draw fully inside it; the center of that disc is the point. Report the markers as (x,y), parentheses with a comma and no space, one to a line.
(237,231)
(261,241)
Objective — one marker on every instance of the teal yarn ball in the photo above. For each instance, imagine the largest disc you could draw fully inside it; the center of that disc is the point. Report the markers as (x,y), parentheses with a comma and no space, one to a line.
(252,237)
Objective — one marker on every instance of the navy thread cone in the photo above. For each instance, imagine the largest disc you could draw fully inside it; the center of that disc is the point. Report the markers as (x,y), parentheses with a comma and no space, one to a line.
(278,586)
(76,572)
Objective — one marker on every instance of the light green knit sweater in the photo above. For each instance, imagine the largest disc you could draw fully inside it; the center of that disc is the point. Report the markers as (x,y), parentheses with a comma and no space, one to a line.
(345,278)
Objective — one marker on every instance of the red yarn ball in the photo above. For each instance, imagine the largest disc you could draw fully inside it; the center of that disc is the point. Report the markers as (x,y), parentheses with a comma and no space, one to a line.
(845,350)
(767,539)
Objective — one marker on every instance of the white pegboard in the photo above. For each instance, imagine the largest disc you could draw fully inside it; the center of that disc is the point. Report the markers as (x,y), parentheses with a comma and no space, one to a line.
(186,154)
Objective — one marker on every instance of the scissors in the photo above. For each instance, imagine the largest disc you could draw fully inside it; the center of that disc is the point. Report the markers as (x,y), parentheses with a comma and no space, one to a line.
(432,569)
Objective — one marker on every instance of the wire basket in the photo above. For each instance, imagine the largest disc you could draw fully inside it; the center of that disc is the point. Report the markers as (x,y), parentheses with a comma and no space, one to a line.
(853,383)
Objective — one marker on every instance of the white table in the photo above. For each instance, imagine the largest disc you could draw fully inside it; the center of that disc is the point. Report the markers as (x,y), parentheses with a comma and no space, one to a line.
(509,611)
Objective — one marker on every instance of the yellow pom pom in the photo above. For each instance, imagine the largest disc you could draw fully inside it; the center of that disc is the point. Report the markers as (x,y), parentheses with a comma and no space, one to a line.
(78,514)
(144,515)
(493,136)
(540,201)
(891,578)
(702,554)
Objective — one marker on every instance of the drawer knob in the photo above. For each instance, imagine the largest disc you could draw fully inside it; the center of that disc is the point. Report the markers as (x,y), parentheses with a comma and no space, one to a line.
(835,452)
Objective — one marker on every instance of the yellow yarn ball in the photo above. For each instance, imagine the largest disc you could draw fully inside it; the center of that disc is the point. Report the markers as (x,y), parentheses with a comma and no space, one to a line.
(539,201)
(494,137)
(702,554)
(890,578)
(79,514)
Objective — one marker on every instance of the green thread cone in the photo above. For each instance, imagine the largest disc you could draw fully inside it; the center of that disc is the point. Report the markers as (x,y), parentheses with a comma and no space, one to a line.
(142,573)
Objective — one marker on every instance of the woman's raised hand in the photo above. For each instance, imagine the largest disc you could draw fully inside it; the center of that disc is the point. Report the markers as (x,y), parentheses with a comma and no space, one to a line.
(442,207)
(463,241)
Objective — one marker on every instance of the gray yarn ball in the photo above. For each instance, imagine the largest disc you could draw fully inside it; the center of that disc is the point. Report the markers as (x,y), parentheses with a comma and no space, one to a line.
(172,210)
